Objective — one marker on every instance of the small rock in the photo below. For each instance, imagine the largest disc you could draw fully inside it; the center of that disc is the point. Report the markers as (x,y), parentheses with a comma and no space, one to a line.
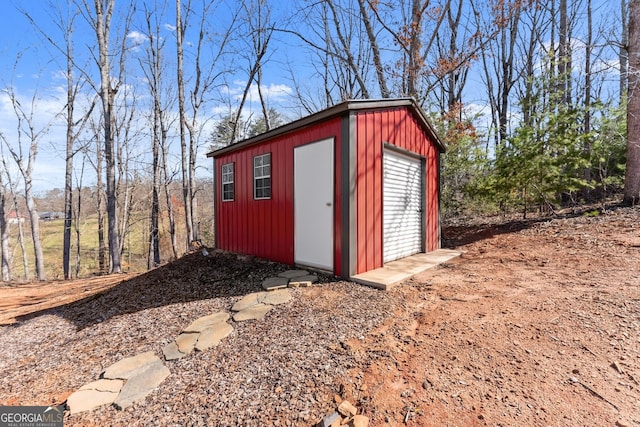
(622,423)
(328,420)
(359,421)
(347,409)
(407,393)
(617,367)
(426,384)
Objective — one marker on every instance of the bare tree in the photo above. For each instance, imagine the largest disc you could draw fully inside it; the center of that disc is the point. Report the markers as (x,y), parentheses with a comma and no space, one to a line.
(204,80)
(186,188)
(66,25)
(14,207)
(5,250)
(26,129)
(257,19)
(152,66)
(100,17)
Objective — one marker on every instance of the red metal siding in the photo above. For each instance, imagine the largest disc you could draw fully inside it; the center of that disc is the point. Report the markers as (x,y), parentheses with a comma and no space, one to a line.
(265,227)
(398,127)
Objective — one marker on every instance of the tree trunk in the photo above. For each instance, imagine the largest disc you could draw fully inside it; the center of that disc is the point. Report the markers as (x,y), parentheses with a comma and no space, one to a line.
(107,95)
(186,193)
(5,250)
(76,221)
(375,49)
(586,193)
(167,195)
(68,171)
(624,52)
(102,248)
(632,174)
(35,229)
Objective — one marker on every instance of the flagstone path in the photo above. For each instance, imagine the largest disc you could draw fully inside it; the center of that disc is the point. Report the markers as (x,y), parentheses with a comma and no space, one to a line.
(132,379)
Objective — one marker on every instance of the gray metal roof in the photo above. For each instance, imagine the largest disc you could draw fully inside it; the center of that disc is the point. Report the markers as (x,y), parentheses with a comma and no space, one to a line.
(338,110)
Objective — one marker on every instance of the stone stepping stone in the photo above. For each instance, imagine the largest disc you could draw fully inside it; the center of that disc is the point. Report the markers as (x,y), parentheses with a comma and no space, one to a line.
(292,274)
(205,322)
(277,297)
(186,342)
(93,395)
(126,368)
(141,384)
(245,302)
(273,283)
(255,312)
(212,336)
(122,384)
(202,333)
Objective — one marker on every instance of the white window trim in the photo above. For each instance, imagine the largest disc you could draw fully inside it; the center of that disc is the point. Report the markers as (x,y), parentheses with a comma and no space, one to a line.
(262,175)
(225,176)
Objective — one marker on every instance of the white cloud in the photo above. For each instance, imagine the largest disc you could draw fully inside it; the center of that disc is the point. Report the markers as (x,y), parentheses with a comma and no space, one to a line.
(272,92)
(169,27)
(137,38)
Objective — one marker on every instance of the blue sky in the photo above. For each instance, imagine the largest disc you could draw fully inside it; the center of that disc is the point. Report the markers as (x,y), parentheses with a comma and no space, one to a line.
(38,77)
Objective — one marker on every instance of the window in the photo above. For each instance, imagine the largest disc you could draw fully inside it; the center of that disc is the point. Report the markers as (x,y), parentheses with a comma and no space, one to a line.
(262,176)
(227,182)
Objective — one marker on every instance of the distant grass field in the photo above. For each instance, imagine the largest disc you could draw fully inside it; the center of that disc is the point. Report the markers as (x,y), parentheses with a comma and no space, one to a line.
(51,235)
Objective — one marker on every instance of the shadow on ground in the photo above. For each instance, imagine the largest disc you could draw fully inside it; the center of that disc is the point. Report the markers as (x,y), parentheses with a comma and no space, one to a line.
(190,278)
(454,235)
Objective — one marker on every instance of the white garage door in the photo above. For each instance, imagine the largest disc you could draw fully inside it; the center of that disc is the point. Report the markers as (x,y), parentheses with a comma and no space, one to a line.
(402,212)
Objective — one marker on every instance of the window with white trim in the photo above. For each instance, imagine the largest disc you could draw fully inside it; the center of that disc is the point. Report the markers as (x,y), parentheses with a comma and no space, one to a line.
(262,176)
(228,187)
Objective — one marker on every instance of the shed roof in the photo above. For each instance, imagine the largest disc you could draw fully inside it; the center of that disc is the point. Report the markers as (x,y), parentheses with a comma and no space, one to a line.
(338,110)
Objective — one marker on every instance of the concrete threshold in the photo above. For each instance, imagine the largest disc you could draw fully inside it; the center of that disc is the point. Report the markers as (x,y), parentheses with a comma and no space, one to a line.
(394,272)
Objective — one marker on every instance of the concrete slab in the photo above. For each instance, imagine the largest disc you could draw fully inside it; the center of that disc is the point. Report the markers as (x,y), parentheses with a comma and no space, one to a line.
(292,274)
(273,283)
(394,272)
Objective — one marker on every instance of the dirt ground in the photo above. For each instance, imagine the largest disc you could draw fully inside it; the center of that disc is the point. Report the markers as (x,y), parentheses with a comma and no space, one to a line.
(537,324)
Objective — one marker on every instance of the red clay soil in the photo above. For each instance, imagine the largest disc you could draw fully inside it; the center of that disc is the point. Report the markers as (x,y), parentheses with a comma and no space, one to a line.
(536,324)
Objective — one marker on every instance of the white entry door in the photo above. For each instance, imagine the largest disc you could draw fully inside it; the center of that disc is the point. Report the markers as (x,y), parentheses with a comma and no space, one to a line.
(313,204)
(402,201)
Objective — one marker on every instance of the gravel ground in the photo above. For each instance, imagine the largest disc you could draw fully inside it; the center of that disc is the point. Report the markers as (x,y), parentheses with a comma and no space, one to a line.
(278,371)
(536,324)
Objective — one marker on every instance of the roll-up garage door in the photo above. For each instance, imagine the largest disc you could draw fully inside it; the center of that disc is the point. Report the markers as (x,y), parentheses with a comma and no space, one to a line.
(402,206)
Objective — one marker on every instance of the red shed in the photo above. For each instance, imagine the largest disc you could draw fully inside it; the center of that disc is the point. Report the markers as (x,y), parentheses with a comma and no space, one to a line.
(344,190)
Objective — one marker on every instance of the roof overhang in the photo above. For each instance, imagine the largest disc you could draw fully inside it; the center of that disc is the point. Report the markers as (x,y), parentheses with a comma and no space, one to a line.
(338,110)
